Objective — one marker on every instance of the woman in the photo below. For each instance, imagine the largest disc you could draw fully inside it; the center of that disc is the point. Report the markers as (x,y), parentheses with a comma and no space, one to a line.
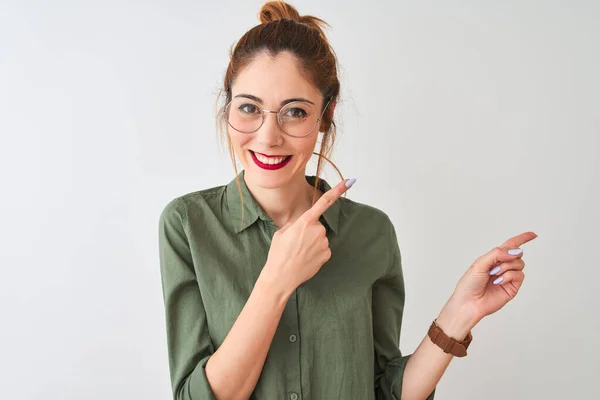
(275,286)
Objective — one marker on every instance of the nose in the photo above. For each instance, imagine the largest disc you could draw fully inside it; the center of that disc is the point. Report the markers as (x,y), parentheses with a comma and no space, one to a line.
(270,133)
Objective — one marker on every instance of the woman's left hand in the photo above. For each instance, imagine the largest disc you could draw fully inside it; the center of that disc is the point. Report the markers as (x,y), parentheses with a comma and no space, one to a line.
(476,289)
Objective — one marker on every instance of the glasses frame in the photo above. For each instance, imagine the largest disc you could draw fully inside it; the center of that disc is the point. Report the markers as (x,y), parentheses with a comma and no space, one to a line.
(264,116)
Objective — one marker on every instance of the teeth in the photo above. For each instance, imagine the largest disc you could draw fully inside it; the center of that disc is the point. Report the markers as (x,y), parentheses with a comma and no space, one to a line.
(269,160)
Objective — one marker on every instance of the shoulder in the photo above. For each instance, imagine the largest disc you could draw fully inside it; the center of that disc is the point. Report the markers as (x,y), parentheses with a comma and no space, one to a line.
(364,214)
(192,203)
(355,209)
(370,229)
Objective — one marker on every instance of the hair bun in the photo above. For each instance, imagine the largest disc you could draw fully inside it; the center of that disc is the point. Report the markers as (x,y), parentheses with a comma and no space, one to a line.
(276,10)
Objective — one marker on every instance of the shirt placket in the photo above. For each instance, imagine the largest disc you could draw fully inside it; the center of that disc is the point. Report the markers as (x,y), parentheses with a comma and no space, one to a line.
(290,327)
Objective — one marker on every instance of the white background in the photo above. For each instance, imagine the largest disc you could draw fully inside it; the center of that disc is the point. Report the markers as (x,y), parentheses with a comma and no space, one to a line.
(468,122)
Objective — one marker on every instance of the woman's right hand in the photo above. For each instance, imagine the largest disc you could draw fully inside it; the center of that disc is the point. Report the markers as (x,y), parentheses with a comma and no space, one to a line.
(299,249)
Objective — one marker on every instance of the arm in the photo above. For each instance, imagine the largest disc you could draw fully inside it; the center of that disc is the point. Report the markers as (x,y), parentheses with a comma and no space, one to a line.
(242,355)
(197,371)
(428,363)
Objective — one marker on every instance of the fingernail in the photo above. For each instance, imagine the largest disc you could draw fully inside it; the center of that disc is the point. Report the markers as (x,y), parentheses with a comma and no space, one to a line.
(495,270)
(350,182)
(498,280)
(514,252)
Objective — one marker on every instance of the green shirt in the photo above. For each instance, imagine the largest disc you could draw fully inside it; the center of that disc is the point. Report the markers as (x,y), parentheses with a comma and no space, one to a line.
(338,337)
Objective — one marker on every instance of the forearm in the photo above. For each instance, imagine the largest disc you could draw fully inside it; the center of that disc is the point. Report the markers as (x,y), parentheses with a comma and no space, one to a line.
(233,370)
(428,363)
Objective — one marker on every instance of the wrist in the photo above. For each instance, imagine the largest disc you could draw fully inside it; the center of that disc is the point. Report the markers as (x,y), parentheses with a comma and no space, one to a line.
(273,287)
(457,319)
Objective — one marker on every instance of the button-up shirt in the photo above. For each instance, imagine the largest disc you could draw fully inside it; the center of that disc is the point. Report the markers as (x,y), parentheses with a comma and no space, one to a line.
(338,336)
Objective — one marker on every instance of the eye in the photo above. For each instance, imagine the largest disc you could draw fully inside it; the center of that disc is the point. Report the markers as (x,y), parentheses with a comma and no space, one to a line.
(297,113)
(248,108)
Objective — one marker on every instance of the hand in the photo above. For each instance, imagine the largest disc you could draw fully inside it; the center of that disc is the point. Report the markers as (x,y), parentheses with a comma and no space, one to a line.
(299,249)
(476,290)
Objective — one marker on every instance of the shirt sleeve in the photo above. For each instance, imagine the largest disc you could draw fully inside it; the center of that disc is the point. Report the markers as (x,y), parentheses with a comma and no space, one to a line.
(388,306)
(188,341)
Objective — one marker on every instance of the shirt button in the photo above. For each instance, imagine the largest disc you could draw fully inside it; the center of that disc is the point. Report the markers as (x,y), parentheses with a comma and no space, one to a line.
(293,338)
(293,396)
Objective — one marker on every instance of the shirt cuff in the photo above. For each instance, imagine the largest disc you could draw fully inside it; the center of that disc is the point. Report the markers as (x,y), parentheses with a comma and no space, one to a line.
(197,387)
(391,382)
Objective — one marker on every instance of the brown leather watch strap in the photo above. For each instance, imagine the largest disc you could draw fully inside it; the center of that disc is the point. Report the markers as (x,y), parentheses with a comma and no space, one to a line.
(447,344)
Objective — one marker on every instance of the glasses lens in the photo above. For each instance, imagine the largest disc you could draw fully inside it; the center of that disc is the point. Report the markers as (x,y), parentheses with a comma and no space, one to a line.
(297,119)
(244,115)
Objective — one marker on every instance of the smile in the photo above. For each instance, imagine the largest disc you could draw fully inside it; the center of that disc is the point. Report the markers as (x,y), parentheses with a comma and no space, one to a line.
(270,162)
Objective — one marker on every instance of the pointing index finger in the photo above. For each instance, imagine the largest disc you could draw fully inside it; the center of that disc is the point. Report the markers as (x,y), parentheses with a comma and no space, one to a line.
(518,240)
(327,200)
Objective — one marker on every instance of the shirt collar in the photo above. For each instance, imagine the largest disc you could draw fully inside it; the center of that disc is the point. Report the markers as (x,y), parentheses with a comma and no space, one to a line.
(253,211)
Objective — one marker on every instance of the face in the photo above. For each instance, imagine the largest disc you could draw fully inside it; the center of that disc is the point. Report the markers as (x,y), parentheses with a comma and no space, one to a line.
(270,157)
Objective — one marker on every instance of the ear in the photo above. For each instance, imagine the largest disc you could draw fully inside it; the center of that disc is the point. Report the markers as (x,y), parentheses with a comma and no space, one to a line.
(331,108)
(329,113)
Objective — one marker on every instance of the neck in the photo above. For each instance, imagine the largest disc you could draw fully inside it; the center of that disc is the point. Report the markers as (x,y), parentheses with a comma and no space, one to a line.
(285,203)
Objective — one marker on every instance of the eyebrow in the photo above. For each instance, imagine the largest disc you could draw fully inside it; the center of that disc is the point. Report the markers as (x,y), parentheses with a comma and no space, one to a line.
(283,103)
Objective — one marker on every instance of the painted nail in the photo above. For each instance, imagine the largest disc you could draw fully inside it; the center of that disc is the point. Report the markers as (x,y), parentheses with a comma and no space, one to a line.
(350,182)
(514,252)
(497,281)
(495,270)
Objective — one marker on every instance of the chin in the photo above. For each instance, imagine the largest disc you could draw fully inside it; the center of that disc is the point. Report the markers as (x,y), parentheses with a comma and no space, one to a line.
(267,179)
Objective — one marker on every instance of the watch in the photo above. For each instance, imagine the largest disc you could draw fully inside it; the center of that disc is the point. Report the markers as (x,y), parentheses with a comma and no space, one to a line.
(447,344)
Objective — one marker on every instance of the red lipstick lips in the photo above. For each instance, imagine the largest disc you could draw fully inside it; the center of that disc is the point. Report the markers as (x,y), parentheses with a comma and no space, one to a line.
(270,166)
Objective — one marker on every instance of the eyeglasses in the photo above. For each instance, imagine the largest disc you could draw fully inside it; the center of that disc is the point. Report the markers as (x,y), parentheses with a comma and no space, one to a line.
(297,119)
